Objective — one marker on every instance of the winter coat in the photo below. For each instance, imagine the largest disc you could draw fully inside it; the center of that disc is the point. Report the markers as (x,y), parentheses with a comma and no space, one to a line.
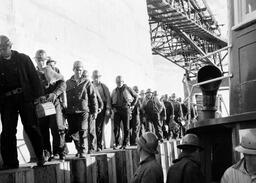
(185,170)
(130,97)
(81,96)
(29,80)
(149,171)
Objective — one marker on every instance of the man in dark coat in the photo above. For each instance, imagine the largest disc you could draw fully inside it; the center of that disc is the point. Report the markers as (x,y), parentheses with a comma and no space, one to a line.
(104,114)
(152,108)
(82,103)
(123,99)
(19,88)
(54,87)
(149,171)
(186,169)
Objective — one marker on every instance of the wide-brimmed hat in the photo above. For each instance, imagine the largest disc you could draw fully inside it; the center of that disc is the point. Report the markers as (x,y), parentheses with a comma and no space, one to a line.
(148,142)
(248,143)
(190,140)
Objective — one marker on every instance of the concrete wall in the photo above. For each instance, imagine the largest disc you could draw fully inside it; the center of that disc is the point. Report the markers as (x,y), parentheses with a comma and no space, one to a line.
(112,36)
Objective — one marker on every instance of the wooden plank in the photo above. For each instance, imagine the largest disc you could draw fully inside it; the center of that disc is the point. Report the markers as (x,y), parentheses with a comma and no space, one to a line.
(129,166)
(121,170)
(111,167)
(91,169)
(47,173)
(102,171)
(78,169)
(21,175)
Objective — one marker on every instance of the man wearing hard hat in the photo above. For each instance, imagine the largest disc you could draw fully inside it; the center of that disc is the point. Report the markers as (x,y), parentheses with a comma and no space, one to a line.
(245,170)
(186,169)
(149,170)
(19,88)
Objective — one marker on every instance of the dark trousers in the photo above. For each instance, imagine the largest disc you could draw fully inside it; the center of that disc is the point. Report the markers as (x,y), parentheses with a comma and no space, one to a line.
(122,114)
(135,128)
(99,126)
(13,106)
(57,125)
(78,130)
(154,124)
(92,138)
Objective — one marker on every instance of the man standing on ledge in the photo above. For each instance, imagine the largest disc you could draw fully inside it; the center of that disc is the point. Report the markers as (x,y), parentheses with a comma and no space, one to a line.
(149,170)
(244,170)
(123,100)
(19,87)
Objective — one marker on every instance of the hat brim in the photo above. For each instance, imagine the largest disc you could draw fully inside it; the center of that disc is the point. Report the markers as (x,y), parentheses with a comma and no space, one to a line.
(184,146)
(243,150)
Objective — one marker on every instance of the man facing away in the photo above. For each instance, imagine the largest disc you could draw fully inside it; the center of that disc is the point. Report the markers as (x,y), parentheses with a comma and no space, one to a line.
(149,171)
(244,170)
(19,87)
(186,169)
(123,99)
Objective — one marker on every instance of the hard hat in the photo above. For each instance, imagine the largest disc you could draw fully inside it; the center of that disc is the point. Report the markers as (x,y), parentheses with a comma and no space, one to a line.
(136,89)
(4,41)
(78,64)
(148,142)
(190,140)
(50,60)
(248,143)
(96,73)
(148,91)
(41,55)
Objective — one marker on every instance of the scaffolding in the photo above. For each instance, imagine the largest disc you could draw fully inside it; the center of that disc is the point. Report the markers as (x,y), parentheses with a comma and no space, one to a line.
(186,33)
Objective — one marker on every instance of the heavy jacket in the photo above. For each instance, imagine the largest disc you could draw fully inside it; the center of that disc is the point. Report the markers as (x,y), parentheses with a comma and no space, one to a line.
(237,174)
(152,105)
(149,171)
(29,80)
(130,97)
(169,111)
(185,170)
(81,96)
(105,95)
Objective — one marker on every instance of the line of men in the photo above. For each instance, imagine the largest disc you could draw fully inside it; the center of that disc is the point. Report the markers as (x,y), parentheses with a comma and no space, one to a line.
(86,105)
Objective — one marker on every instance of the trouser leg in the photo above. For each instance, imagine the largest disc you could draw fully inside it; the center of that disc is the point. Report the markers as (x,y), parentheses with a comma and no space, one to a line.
(29,146)
(9,119)
(44,125)
(126,124)
(57,125)
(92,134)
(30,124)
(157,126)
(117,121)
(135,128)
(99,127)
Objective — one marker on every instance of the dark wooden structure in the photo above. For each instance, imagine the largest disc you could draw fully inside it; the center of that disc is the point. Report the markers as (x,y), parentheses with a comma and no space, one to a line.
(220,136)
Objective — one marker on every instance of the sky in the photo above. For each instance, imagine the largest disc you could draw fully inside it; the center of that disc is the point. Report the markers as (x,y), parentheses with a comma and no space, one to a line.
(168,76)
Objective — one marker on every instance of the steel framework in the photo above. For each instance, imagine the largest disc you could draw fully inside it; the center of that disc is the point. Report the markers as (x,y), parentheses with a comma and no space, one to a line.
(186,33)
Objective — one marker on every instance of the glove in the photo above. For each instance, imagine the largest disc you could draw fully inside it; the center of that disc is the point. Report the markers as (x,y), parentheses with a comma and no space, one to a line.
(51,97)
